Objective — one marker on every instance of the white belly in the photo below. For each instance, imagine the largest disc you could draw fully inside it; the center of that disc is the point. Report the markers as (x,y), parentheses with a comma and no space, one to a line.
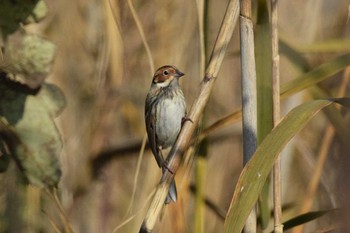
(168,122)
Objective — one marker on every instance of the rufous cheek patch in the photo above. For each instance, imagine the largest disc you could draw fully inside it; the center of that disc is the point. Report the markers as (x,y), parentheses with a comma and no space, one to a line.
(160,78)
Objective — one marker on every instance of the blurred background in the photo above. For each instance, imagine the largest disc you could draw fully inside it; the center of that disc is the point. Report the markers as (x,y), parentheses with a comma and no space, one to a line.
(102,68)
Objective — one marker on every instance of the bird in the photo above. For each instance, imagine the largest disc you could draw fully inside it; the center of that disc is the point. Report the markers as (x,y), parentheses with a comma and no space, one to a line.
(165,111)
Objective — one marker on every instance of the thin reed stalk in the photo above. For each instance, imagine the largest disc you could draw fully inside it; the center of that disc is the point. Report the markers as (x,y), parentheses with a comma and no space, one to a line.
(249,100)
(277,203)
(136,176)
(52,194)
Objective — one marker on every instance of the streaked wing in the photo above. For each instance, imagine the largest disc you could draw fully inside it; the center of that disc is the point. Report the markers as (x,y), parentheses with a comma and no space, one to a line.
(151,132)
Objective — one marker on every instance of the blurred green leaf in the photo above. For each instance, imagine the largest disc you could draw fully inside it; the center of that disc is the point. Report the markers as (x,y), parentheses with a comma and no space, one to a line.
(329,46)
(336,45)
(263,71)
(254,174)
(31,117)
(53,99)
(293,55)
(304,218)
(29,58)
(12,13)
(316,75)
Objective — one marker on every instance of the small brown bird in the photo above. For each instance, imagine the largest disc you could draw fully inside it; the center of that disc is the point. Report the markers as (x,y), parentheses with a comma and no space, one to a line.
(165,110)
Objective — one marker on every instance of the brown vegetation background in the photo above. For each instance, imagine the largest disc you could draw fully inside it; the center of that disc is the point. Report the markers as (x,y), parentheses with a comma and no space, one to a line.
(102,67)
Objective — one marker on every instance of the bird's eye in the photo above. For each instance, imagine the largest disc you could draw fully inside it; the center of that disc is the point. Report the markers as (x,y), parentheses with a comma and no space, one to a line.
(165,72)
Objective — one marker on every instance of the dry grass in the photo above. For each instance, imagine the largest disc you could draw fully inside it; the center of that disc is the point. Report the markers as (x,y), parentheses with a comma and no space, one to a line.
(103,69)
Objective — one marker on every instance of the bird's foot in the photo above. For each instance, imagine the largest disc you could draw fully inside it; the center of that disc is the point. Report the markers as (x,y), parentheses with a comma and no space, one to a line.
(184,119)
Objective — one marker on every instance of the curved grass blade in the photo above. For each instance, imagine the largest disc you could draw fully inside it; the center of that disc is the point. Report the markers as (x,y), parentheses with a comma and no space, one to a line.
(254,174)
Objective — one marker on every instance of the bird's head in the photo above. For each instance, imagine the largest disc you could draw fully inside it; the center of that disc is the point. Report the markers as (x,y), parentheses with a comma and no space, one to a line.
(164,76)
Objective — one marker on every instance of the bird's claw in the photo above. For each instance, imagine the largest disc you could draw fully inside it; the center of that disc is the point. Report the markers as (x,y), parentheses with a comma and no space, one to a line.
(184,119)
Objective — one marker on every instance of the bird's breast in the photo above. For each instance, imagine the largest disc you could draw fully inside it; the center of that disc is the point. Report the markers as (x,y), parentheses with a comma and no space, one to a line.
(170,112)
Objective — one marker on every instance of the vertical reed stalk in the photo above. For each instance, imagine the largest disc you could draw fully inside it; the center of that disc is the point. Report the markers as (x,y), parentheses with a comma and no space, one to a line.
(278,227)
(249,100)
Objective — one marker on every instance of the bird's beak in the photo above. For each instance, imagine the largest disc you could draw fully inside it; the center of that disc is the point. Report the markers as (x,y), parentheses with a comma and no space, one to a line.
(179,74)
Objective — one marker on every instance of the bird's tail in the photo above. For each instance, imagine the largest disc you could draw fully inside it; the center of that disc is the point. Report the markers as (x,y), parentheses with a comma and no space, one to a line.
(172,194)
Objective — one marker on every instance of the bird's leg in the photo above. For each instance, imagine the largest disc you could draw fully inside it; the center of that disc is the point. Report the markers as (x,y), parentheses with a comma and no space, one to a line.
(184,119)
